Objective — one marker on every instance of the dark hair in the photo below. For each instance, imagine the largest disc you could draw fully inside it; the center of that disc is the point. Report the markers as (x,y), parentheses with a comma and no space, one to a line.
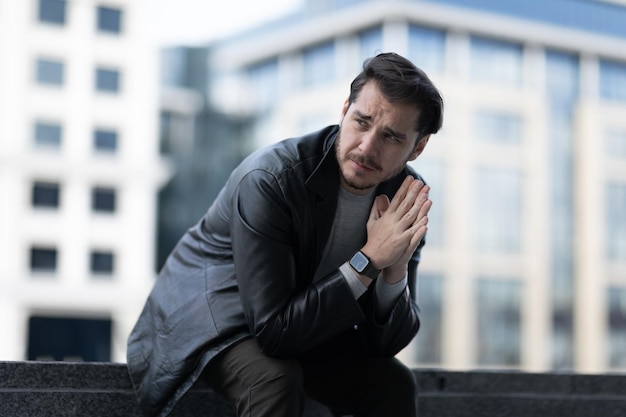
(402,82)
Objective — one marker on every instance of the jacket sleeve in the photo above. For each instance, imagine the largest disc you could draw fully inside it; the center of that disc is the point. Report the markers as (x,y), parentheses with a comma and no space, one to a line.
(388,337)
(286,312)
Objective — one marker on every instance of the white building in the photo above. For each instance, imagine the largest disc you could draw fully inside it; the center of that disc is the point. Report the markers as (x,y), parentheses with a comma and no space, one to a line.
(525,265)
(79,175)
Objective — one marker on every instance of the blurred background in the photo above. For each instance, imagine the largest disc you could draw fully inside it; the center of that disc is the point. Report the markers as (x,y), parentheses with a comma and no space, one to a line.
(121,119)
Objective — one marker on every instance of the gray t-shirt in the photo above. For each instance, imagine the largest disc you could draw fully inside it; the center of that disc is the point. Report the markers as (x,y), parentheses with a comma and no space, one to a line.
(348,235)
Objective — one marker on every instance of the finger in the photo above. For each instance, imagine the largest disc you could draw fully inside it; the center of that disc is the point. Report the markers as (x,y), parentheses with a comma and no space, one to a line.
(424,209)
(419,231)
(420,207)
(402,192)
(381,204)
(410,200)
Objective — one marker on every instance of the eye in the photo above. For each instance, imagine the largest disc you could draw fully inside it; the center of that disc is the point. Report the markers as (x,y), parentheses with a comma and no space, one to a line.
(362,123)
(392,137)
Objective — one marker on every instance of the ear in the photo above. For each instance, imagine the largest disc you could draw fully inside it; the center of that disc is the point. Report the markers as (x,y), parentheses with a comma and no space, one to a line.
(419,147)
(344,109)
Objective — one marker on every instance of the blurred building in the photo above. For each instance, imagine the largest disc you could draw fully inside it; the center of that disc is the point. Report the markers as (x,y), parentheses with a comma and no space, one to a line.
(203,144)
(79,174)
(525,265)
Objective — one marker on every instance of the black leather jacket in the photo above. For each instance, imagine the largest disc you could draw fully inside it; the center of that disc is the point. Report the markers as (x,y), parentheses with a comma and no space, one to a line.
(246,269)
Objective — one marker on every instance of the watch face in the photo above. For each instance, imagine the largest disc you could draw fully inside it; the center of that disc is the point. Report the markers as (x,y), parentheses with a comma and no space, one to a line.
(359,262)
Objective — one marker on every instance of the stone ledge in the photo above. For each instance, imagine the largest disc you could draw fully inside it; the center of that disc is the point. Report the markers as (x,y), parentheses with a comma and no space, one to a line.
(38,389)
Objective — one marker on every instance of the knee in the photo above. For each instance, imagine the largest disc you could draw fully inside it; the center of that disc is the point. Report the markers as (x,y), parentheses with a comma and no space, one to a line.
(399,379)
(282,375)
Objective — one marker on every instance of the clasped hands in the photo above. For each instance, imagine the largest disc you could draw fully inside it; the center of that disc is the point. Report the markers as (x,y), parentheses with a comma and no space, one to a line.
(395,229)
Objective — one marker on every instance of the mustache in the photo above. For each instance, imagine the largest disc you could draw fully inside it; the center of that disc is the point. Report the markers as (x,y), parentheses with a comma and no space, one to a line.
(363,160)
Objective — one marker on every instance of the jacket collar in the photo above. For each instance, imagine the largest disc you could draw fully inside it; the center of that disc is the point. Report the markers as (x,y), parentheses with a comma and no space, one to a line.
(324,180)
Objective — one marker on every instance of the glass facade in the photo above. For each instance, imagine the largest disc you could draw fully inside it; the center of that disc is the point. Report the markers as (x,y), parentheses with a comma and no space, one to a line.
(430,300)
(318,65)
(562,81)
(69,339)
(616,222)
(499,322)
(109,19)
(495,61)
(498,127)
(103,199)
(615,139)
(48,134)
(264,82)
(107,80)
(52,11)
(370,43)
(613,80)
(46,194)
(50,72)
(498,226)
(101,262)
(43,259)
(426,48)
(617,327)
(105,140)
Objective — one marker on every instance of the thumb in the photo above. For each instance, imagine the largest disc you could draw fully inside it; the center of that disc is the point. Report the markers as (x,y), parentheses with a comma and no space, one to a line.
(380,206)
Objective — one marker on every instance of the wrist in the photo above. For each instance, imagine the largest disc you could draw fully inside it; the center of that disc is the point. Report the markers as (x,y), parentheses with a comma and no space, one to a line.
(363,266)
(394,273)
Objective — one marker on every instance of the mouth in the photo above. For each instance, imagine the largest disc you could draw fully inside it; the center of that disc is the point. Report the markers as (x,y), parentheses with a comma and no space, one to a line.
(362,163)
(361,167)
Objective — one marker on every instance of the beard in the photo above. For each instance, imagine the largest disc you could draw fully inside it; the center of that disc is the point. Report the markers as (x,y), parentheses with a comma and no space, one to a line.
(359,181)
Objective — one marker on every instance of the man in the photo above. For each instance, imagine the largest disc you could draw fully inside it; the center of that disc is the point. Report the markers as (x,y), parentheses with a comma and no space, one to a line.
(299,280)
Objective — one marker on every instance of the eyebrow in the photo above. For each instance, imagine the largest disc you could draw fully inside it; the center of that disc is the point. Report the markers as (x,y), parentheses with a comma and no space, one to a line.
(386,128)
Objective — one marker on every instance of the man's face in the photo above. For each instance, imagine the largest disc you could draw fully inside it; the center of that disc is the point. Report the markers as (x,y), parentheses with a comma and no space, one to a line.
(376,139)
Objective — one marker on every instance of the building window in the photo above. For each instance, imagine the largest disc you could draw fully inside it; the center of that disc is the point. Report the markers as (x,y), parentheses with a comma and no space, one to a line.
(617,327)
(616,143)
(105,140)
(496,61)
(430,300)
(69,339)
(52,11)
(48,134)
(498,219)
(318,65)
(427,48)
(107,80)
(102,262)
(43,259)
(45,194)
(498,127)
(613,80)
(50,72)
(103,199)
(370,43)
(562,76)
(264,80)
(616,222)
(498,322)
(109,19)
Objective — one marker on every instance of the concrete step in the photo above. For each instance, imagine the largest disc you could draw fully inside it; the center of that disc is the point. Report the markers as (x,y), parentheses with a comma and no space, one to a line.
(64,389)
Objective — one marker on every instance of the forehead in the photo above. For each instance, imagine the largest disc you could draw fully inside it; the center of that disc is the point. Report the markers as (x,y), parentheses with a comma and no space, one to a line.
(371,103)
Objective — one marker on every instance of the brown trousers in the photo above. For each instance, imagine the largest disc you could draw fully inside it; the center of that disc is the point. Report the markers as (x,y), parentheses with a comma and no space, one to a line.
(339,374)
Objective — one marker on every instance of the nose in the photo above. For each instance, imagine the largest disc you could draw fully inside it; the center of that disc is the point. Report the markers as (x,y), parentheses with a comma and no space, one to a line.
(369,144)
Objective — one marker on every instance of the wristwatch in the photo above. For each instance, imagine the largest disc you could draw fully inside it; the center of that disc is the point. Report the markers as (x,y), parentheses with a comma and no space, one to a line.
(362,264)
